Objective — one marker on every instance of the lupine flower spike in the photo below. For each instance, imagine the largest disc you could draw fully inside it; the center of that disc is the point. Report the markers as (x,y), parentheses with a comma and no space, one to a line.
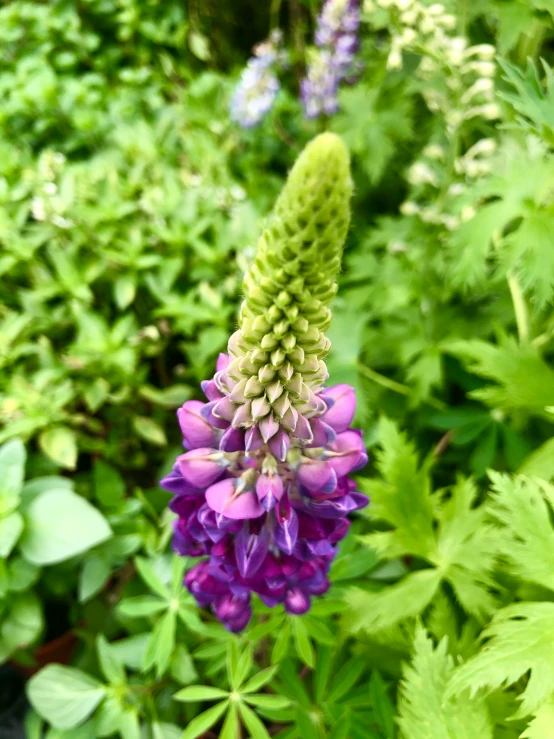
(263,491)
(258,86)
(333,61)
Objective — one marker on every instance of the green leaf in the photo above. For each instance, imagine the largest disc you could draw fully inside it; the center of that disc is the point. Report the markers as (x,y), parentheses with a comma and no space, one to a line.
(408,598)
(59,525)
(11,527)
(109,486)
(265,700)
(205,721)
(230,728)
(12,467)
(197,693)
(165,731)
(282,642)
(161,644)
(540,463)
(141,605)
(542,723)
(150,577)
(129,726)
(425,711)
(382,705)
(402,498)
(252,722)
(302,642)
(64,696)
(124,291)
(149,430)
(33,488)
(108,717)
(130,651)
(199,45)
(23,623)
(182,666)
(60,444)
(93,577)
(354,565)
(522,505)
(111,667)
(239,663)
(345,679)
(259,680)
(520,640)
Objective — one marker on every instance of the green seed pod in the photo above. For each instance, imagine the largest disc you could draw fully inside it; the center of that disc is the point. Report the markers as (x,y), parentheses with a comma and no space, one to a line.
(280,340)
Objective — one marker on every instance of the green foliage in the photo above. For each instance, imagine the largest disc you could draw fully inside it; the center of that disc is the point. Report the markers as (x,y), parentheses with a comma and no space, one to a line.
(129,207)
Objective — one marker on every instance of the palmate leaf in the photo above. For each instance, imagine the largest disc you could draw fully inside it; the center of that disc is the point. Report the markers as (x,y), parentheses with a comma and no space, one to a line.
(510,365)
(520,640)
(524,506)
(425,711)
(531,98)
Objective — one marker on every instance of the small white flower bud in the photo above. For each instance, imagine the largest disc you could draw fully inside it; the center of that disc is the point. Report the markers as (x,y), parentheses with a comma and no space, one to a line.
(409,208)
(434,151)
(484,51)
(394,60)
(420,174)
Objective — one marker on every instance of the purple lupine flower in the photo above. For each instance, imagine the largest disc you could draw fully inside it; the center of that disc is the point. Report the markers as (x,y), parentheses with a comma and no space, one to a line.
(334,60)
(269,509)
(258,85)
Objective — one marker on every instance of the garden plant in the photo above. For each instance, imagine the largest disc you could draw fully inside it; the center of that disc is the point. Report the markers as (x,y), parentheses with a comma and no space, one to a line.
(277,369)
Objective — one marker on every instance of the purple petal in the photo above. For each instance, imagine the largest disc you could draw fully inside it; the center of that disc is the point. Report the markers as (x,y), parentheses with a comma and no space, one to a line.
(303,429)
(200,467)
(215,421)
(222,362)
(253,439)
(176,483)
(232,440)
(347,452)
(210,390)
(225,409)
(222,498)
(322,433)
(343,406)
(268,427)
(269,489)
(250,550)
(285,531)
(196,431)
(297,601)
(317,476)
(279,445)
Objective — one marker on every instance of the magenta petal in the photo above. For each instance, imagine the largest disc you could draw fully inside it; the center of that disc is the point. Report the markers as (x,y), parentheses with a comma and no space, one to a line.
(207,413)
(317,476)
(196,431)
(253,439)
(348,452)
(198,469)
(222,362)
(250,550)
(297,601)
(210,390)
(269,489)
(222,499)
(224,408)
(268,427)
(303,429)
(341,413)
(279,445)
(232,440)
(322,433)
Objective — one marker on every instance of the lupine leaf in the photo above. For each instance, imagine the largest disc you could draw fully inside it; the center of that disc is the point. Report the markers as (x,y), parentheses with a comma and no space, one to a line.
(204,721)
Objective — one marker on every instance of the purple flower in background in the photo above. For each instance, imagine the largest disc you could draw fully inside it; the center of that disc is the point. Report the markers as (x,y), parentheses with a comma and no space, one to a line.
(266,507)
(258,85)
(334,60)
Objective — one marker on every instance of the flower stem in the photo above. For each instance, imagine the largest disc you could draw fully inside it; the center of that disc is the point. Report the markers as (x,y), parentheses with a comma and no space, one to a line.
(396,387)
(520,309)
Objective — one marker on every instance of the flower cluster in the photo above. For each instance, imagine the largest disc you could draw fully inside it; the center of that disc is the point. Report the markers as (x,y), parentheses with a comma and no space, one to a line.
(258,86)
(263,489)
(269,520)
(333,61)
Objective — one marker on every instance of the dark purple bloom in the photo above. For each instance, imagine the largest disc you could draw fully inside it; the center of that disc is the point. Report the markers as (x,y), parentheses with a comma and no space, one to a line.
(266,506)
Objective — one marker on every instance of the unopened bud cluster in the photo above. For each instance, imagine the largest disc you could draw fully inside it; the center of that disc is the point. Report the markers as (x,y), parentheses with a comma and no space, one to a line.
(264,490)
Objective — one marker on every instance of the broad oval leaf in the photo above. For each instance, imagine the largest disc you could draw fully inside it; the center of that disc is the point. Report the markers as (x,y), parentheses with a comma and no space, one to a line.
(64,696)
(59,525)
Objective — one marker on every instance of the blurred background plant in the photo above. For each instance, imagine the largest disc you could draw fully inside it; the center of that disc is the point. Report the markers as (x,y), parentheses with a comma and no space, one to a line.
(131,194)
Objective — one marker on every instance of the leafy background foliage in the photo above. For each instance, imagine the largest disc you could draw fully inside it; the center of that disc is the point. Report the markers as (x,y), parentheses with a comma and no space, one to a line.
(129,208)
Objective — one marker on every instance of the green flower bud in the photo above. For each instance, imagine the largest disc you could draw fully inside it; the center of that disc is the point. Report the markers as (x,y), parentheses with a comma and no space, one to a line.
(279,348)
